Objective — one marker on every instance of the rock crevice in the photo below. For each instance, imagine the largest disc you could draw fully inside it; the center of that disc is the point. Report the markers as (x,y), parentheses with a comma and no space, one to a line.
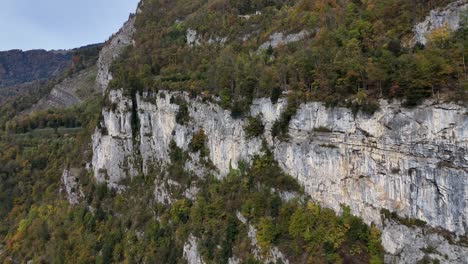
(417,169)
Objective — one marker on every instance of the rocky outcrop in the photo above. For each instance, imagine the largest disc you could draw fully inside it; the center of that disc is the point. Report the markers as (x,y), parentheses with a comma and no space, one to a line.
(72,188)
(113,149)
(194,39)
(449,16)
(280,38)
(410,161)
(112,50)
(69,92)
(191,254)
(409,245)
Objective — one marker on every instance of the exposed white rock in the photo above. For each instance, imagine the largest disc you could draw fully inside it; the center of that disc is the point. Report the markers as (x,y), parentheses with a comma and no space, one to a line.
(72,187)
(226,137)
(112,50)
(407,245)
(195,165)
(234,260)
(280,38)
(113,151)
(406,160)
(192,38)
(217,40)
(191,253)
(411,161)
(192,192)
(449,16)
(161,193)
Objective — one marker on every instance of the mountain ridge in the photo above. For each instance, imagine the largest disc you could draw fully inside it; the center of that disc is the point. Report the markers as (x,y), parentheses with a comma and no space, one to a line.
(162,169)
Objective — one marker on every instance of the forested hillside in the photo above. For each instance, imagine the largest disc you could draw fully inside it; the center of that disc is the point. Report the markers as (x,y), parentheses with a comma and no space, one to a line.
(25,73)
(341,52)
(345,53)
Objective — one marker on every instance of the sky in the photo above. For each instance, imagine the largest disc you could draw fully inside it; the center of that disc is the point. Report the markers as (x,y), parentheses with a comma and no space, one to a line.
(60,24)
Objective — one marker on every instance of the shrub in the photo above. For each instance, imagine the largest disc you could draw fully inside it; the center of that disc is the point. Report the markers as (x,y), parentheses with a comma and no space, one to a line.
(254,127)
(332,146)
(280,128)
(429,250)
(198,143)
(322,129)
(182,116)
(267,233)
(275,94)
(409,222)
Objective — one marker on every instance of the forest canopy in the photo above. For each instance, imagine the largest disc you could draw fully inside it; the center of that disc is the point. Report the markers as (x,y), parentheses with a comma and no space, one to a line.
(354,52)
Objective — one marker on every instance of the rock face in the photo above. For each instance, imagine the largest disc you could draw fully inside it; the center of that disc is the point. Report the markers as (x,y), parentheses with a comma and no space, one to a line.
(410,161)
(191,253)
(72,188)
(449,17)
(406,245)
(71,91)
(280,38)
(112,50)
(113,151)
(18,66)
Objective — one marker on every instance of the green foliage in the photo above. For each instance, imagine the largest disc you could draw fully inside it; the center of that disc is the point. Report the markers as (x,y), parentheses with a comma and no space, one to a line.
(53,118)
(322,129)
(280,128)
(131,226)
(360,49)
(410,222)
(267,233)
(254,127)
(182,116)
(198,143)
(429,250)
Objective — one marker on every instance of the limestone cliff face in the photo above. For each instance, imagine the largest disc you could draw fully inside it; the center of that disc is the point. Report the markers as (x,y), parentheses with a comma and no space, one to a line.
(410,161)
(112,50)
(449,16)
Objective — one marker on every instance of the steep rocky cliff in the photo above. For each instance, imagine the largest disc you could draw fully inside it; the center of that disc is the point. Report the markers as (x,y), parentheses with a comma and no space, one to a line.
(112,50)
(450,17)
(409,161)
(393,168)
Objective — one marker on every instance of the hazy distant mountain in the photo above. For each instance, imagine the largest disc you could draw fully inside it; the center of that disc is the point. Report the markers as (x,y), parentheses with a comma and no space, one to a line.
(18,66)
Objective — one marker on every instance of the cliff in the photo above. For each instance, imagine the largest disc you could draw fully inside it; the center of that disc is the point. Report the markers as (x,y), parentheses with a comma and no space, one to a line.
(449,17)
(409,161)
(394,168)
(112,49)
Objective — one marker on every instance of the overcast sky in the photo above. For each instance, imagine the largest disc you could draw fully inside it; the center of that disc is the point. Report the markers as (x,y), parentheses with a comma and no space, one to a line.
(60,24)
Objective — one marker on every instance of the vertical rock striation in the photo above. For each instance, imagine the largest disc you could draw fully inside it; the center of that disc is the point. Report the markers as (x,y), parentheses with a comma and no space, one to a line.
(410,161)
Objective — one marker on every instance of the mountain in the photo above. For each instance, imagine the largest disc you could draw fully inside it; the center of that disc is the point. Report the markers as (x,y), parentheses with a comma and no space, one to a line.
(248,132)
(23,72)
(18,66)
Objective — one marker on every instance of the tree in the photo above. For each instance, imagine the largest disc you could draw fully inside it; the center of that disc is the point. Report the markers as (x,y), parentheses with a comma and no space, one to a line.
(375,74)
(267,233)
